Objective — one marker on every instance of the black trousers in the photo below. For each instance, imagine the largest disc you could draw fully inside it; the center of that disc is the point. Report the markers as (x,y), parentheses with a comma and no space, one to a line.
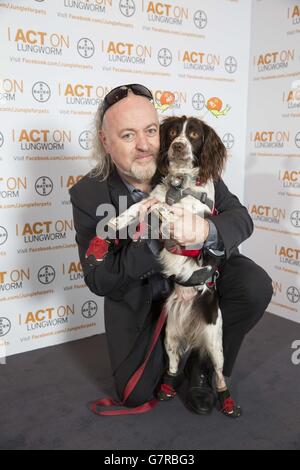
(245,291)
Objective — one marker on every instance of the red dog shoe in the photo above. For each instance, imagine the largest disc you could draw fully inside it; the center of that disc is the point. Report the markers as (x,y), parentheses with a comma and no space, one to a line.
(228,406)
(166,390)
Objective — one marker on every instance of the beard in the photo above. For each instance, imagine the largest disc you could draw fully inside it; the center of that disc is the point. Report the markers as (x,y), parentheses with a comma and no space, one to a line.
(142,172)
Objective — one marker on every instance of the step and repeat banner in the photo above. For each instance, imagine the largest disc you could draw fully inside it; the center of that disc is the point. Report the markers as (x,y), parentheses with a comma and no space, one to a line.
(58,59)
(272,184)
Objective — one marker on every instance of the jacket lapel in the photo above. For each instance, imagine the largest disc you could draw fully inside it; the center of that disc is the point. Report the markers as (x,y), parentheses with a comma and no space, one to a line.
(117,189)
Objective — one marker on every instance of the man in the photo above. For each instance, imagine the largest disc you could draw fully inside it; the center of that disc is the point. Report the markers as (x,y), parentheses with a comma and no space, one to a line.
(128,275)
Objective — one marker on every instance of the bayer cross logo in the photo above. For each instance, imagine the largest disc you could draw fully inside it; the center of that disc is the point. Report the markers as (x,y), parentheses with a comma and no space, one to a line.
(200,19)
(228,141)
(44,186)
(89,309)
(293,294)
(3,235)
(165,57)
(1,139)
(5,326)
(295,219)
(41,92)
(127,7)
(46,275)
(85,140)
(86,48)
(198,101)
(231,64)
(297,140)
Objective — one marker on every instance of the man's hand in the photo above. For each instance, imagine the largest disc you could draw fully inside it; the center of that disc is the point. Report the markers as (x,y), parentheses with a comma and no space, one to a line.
(188,228)
(146,207)
(183,226)
(150,224)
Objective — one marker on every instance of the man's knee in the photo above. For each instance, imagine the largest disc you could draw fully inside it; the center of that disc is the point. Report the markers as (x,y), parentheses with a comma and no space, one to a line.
(258,289)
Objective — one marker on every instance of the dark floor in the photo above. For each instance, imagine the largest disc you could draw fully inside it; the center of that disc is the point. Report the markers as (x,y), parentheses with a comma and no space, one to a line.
(44,395)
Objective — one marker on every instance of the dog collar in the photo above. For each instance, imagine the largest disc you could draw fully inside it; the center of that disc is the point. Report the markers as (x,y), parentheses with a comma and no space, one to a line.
(191,253)
(178,190)
(198,278)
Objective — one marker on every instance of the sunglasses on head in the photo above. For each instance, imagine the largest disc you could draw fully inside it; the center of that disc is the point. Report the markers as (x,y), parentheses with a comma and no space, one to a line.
(117,94)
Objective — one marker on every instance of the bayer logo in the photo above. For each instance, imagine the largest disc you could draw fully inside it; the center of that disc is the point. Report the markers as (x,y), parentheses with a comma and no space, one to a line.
(86,48)
(295,219)
(89,309)
(198,101)
(293,294)
(41,92)
(231,64)
(46,275)
(3,235)
(85,140)
(5,326)
(1,139)
(200,19)
(228,141)
(44,186)
(127,7)
(165,57)
(297,140)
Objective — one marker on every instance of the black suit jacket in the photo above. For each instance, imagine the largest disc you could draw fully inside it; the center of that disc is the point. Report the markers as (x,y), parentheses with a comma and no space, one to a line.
(123,276)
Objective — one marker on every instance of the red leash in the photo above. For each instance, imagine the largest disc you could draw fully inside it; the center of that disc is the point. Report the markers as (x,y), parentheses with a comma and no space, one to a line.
(109,402)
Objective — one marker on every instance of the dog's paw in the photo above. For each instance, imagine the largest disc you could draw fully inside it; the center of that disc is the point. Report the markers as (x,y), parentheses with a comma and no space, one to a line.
(228,406)
(166,389)
(165,392)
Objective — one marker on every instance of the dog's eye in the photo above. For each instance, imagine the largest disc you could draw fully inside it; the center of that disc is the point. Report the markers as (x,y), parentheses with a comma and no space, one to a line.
(173,133)
(194,135)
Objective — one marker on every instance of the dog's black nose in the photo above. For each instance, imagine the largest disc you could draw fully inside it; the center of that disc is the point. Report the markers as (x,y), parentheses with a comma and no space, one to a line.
(178,147)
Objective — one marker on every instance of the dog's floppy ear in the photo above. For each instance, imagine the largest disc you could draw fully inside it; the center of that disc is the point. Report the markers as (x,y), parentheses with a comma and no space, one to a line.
(162,160)
(213,155)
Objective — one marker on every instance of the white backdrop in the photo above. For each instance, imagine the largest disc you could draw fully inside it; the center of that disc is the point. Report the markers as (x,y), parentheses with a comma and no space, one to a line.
(272,185)
(58,60)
